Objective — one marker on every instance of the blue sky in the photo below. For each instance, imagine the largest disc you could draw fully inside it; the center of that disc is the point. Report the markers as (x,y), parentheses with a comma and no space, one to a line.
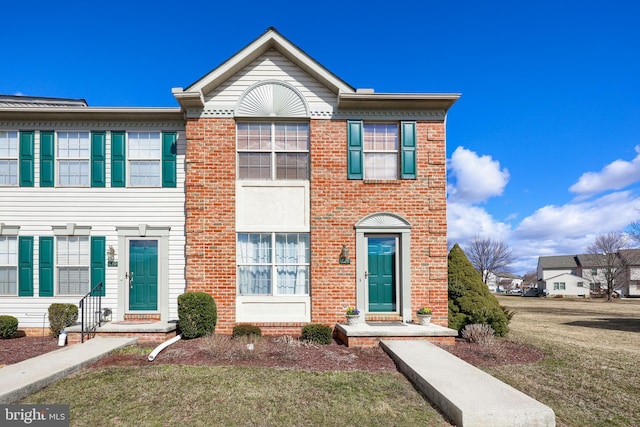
(543,145)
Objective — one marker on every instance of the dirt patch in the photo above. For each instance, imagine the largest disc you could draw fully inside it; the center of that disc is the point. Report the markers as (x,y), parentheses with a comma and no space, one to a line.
(17,349)
(282,353)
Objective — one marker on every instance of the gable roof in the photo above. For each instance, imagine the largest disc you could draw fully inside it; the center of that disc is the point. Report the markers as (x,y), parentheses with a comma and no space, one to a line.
(348,97)
(193,95)
(558,261)
(591,260)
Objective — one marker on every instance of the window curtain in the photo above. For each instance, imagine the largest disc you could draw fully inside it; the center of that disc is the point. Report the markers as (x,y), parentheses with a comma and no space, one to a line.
(292,252)
(254,264)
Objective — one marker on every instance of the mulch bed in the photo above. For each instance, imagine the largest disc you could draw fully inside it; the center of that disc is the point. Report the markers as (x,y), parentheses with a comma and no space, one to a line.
(274,353)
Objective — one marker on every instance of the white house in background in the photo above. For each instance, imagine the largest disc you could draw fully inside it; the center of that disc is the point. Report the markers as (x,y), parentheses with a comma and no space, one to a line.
(503,281)
(560,275)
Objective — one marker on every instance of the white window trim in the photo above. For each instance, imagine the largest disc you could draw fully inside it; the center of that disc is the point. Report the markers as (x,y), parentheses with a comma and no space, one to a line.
(272,151)
(274,268)
(15,266)
(59,159)
(16,159)
(131,159)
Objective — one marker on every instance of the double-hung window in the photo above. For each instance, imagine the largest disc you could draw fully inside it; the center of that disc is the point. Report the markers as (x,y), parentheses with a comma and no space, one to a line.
(73,155)
(145,155)
(8,265)
(8,158)
(73,261)
(381,150)
(273,151)
(559,286)
(273,263)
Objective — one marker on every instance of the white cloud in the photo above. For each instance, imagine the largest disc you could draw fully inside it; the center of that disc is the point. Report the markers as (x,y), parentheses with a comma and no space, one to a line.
(571,227)
(475,178)
(614,176)
(465,222)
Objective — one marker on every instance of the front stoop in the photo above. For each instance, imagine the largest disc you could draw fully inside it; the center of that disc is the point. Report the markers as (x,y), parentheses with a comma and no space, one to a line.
(370,333)
(468,396)
(145,331)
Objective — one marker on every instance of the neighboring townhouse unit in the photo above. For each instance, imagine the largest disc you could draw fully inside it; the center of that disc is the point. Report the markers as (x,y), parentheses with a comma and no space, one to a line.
(276,187)
(87,196)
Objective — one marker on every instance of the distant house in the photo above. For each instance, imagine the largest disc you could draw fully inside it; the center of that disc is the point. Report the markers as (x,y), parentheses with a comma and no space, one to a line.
(631,281)
(503,281)
(560,275)
(585,274)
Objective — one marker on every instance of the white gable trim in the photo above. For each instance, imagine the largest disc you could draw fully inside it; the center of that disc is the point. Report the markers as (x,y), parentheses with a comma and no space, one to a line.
(194,95)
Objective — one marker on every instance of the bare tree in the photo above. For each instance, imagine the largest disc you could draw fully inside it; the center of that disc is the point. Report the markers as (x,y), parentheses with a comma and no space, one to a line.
(633,230)
(489,256)
(607,261)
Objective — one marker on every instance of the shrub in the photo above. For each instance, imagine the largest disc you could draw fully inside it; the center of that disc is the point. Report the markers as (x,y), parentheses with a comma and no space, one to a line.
(477,333)
(469,298)
(197,314)
(8,326)
(316,333)
(246,330)
(61,316)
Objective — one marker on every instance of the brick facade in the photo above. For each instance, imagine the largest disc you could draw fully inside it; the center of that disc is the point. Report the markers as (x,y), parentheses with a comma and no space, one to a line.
(337,204)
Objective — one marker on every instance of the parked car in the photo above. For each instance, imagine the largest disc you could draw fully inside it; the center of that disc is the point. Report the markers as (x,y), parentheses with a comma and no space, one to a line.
(514,292)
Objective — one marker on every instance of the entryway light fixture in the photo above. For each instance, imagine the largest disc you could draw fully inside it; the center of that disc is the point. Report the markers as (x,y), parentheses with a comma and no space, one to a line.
(344,255)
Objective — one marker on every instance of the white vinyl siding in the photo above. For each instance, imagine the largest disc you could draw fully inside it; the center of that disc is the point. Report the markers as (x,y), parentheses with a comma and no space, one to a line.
(8,265)
(8,158)
(105,210)
(271,66)
(73,156)
(144,154)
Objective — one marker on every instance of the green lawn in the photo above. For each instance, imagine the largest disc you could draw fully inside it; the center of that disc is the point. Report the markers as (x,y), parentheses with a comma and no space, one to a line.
(174,395)
(590,376)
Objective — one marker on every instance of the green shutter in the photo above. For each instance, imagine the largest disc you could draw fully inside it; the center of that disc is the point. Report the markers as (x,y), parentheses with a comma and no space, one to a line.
(118,159)
(46,266)
(97,262)
(354,142)
(97,158)
(47,157)
(168,159)
(25,266)
(26,159)
(408,159)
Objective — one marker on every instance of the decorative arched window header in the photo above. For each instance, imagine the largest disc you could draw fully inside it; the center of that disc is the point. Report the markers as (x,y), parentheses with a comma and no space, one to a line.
(272,99)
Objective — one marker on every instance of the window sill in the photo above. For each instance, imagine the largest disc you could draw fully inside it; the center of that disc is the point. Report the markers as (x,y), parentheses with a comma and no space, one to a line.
(383,181)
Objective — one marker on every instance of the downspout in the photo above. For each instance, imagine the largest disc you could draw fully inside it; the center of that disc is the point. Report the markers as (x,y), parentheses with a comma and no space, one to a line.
(162,346)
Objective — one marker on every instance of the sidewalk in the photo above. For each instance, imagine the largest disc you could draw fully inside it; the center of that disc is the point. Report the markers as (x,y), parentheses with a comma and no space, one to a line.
(26,377)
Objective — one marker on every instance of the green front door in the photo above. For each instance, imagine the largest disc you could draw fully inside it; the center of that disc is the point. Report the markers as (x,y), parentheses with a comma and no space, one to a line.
(382,274)
(143,275)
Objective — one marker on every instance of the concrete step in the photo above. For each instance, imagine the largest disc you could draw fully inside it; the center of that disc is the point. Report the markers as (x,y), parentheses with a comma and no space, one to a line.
(468,396)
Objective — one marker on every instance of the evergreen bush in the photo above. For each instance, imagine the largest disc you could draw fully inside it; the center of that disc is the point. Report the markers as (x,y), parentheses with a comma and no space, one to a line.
(316,333)
(246,330)
(8,326)
(61,316)
(197,314)
(469,298)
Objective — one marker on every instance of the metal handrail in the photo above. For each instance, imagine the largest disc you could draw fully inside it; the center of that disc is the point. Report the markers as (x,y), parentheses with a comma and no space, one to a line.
(91,312)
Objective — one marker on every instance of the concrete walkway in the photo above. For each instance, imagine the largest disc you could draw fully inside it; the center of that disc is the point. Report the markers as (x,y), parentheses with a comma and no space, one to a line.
(24,378)
(466,395)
